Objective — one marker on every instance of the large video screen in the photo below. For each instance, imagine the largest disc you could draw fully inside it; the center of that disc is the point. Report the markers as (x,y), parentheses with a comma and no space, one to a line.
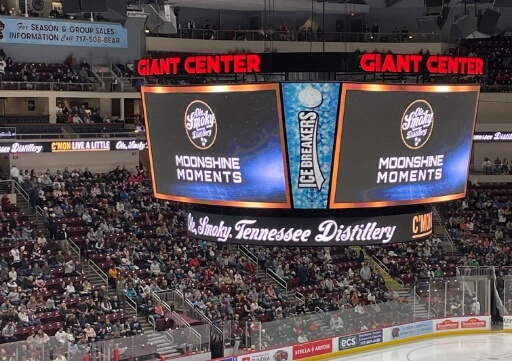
(402,144)
(221,145)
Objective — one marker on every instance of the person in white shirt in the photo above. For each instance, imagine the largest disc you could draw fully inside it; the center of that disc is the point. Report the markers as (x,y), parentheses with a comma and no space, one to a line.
(61,336)
(70,289)
(155,268)
(3,64)
(15,173)
(13,275)
(302,338)
(119,207)
(15,253)
(77,119)
(336,323)
(475,307)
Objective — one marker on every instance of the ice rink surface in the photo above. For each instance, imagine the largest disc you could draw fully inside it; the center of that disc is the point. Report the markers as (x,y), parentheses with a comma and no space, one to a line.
(491,347)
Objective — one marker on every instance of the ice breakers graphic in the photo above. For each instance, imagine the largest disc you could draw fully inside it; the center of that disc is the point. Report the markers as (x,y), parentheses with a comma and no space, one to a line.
(310,98)
(310,174)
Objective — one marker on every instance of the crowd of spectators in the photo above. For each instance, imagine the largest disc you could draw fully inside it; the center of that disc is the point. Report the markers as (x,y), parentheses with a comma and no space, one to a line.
(141,244)
(285,32)
(79,115)
(59,75)
(497,52)
(499,166)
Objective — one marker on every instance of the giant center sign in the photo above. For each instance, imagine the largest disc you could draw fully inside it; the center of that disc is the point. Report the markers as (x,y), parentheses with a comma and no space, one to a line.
(309,231)
(416,63)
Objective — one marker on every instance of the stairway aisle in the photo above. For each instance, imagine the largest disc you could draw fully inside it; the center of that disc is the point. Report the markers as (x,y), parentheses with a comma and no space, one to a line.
(419,310)
(390,281)
(265,279)
(164,347)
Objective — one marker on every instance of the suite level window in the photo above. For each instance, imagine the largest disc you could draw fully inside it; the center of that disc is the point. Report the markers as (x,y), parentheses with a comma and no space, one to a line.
(56,5)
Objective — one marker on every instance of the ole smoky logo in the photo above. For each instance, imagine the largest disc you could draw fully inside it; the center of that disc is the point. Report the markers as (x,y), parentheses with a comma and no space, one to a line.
(200,124)
(417,124)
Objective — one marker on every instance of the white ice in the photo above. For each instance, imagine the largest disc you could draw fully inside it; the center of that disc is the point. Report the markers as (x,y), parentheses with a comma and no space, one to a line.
(492,347)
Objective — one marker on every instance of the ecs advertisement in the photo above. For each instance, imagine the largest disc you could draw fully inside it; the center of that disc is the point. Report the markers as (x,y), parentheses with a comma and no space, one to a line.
(219,145)
(401,144)
(310,115)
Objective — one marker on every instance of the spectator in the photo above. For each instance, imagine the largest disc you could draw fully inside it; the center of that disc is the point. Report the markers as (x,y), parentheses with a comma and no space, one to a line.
(9,332)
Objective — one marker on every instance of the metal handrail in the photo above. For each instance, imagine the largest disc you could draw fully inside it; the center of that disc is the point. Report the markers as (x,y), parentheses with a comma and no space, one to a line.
(49,86)
(198,312)
(445,232)
(193,332)
(272,275)
(243,249)
(114,76)
(131,303)
(169,337)
(75,248)
(18,189)
(21,136)
(378,263)
(93,267)
(299,35)
(300,297)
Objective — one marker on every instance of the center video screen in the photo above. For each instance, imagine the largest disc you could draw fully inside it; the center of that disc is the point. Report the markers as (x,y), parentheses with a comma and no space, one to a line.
(219,145)
(402,144)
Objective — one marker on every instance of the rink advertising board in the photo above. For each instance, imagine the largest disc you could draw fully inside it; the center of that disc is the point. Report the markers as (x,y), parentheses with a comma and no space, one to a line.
(310,145)
(347,344)
(314,348)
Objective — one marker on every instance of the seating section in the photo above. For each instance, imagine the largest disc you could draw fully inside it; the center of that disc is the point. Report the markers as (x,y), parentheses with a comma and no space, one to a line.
(38,128)
(108,128)
(142,244)
(497,52)
(8,120)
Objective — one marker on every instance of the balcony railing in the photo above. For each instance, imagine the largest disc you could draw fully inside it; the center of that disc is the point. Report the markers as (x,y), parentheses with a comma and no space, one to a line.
(270,35)
(50,86)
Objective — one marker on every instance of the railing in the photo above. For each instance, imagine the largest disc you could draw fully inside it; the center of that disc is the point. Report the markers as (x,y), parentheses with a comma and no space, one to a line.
(75,249)
(280,282)
(78,135)
(197,313)
(15,187)
(378,263)
(271,35)
(50,86)
(445,234)
(93,268)
(193,335)
(130,347)
(131,303)
(437,298)
(246,252)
